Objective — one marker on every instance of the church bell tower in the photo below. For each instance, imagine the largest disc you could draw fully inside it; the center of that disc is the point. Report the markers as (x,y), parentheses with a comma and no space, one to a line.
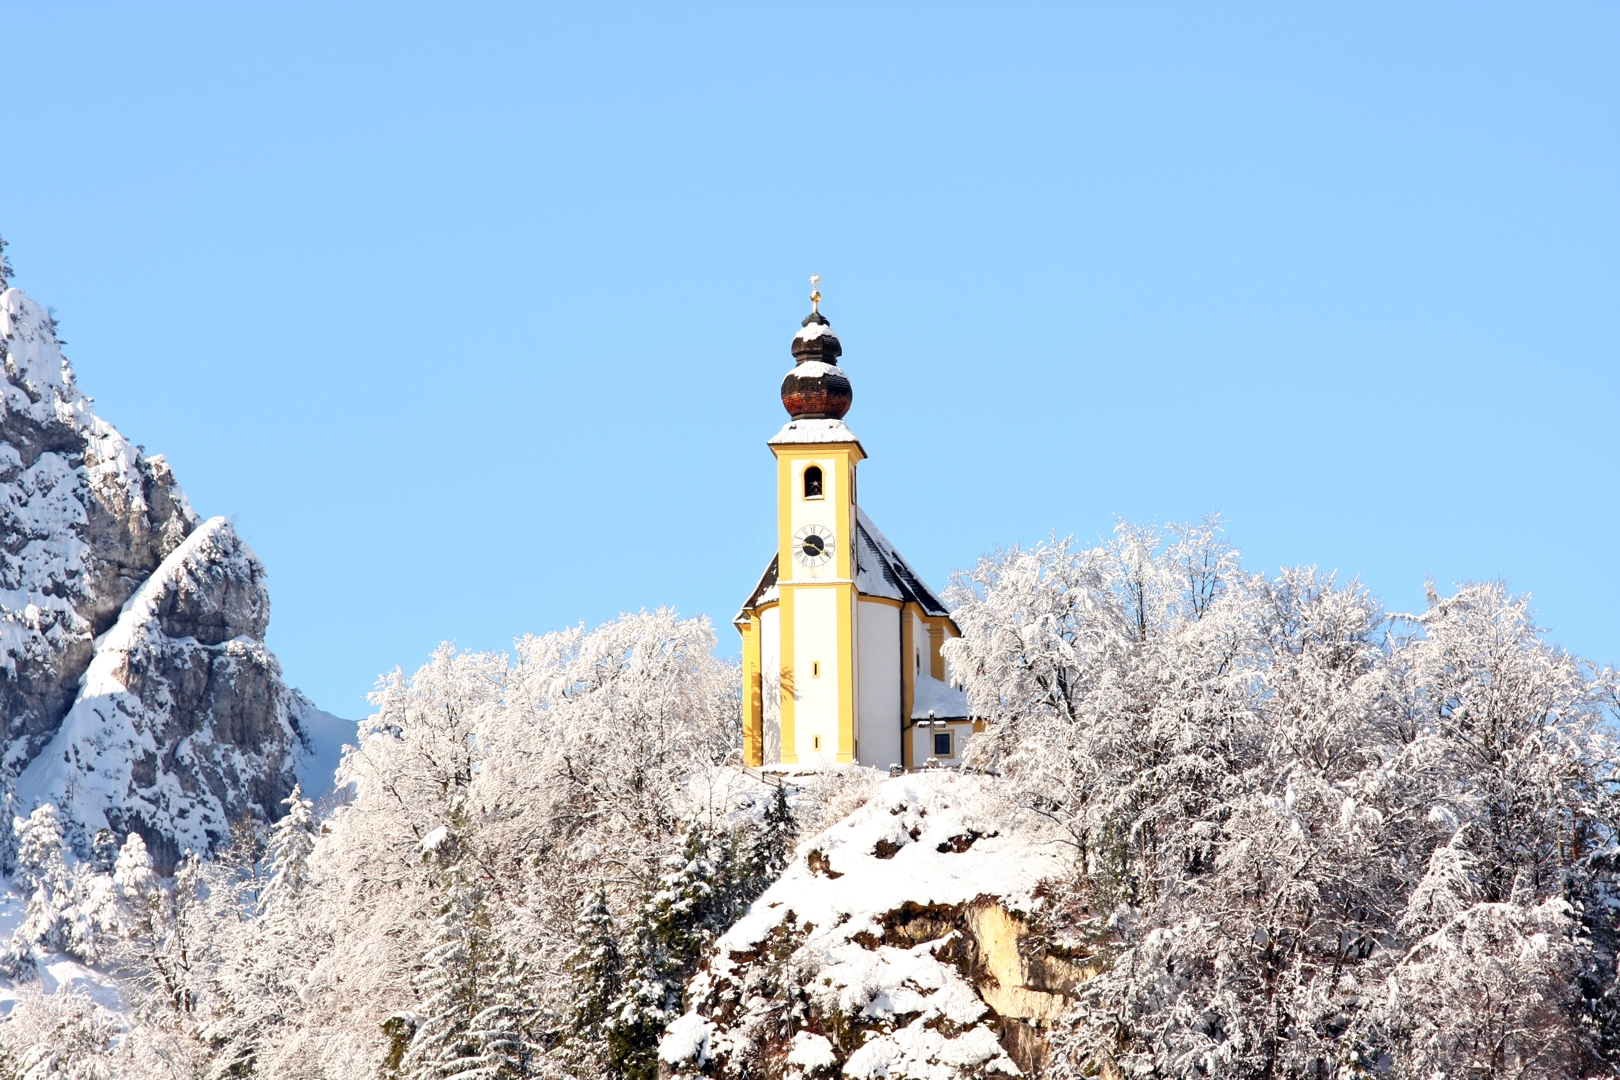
(840,637)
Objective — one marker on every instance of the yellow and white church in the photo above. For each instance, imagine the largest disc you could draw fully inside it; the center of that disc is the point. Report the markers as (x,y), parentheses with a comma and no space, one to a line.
(841,638)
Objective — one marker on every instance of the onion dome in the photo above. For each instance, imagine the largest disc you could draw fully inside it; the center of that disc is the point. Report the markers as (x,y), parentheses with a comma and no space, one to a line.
(817,387)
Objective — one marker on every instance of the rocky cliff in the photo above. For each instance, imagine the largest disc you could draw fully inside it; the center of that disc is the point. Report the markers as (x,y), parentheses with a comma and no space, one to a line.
(136,691)
(898,944)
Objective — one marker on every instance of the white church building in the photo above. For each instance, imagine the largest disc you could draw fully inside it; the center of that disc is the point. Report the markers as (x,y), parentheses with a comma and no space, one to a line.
(841,638)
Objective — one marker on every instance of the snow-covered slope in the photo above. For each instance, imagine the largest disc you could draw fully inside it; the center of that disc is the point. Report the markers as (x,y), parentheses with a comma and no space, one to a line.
(135,687)
(891,947)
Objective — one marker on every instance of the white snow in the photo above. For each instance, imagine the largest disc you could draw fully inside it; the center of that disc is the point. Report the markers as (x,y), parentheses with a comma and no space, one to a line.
(687,1039)
(946,702)
(318,758)
(813,431)
(88,768)
(810,369)
(814,330)
(869,576)
(836,910)
(808,1051)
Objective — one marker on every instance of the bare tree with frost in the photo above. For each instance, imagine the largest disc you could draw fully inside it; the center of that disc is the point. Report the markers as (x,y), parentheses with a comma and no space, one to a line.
(1318,840)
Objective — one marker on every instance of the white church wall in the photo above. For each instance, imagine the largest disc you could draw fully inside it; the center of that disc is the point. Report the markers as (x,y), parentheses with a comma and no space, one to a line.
(815,674)
(922,743)
(878,641)
(770,677)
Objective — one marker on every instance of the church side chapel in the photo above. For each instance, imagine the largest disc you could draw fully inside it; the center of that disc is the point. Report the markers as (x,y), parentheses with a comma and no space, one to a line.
(841,637)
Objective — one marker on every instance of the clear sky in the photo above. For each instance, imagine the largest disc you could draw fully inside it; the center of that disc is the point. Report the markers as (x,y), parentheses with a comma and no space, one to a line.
(473,316)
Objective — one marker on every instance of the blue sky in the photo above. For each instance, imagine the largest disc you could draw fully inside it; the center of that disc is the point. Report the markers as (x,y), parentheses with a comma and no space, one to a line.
(473,316)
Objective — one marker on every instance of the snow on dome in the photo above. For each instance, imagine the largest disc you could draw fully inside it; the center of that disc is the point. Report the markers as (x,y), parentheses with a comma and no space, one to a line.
(811,369)
(814,431)
(813,330)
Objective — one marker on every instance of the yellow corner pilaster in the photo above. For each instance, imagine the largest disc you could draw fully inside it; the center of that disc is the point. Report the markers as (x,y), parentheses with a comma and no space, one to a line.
(846,671)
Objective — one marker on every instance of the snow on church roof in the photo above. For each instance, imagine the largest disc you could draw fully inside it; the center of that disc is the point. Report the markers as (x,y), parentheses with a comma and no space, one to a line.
(936,700)
(822,430)
(880,570)
(765,592)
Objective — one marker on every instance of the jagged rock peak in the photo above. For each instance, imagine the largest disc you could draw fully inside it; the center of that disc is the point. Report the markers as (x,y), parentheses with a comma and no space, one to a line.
(114,601)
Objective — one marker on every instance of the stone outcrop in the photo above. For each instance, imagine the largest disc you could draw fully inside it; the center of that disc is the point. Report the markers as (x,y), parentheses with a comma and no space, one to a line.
(898,943)
(136,691)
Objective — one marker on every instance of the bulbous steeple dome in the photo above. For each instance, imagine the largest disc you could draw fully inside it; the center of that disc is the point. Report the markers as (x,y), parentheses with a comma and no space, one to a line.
(817,387)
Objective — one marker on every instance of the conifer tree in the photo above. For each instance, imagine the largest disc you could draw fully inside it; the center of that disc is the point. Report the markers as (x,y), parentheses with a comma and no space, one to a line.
(471,1028)
(597,969)
(774,847)
(292,839)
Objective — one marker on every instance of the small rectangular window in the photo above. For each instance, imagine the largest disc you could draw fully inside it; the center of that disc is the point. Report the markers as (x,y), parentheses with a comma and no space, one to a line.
(815,742)
(815,669)
(942,744)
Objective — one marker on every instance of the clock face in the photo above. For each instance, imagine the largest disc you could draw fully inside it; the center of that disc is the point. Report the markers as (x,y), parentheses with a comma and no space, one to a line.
(813,545)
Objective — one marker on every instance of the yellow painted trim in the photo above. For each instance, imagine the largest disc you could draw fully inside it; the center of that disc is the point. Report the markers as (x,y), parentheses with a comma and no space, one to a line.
(753,694)
(868,598)
(846,673)
(790,748)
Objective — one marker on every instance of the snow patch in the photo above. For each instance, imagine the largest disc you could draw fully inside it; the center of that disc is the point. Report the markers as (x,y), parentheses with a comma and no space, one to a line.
(325,738)
(813,431)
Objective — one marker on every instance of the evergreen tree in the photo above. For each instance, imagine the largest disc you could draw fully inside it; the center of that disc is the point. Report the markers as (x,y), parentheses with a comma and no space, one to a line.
(773,849)
(597,969)
(702,891)
(292,839)
(39,848)
(471,1028)
(42,871)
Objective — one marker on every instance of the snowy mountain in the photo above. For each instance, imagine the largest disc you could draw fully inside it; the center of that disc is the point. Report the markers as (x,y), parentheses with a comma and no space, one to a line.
(135,685)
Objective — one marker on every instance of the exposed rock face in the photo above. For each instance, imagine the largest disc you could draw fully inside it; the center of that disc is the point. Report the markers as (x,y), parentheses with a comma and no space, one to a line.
(135,688)
(896,945)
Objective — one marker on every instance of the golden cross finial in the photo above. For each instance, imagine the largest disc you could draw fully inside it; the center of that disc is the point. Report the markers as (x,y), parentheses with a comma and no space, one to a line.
(815,294)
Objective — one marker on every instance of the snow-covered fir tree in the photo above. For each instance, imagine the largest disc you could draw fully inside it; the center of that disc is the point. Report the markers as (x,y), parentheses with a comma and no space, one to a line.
(596,970)
(292,839)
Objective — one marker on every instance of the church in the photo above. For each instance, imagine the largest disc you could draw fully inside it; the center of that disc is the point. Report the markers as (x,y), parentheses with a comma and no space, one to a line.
(841,638)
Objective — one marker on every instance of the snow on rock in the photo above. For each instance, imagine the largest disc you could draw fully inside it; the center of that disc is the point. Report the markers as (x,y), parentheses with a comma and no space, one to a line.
(86,517)
(135,686)
(325,738)
(889,948)
(182,724)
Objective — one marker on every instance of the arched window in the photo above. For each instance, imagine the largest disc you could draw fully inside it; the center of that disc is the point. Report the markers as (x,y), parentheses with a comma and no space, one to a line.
(812,482)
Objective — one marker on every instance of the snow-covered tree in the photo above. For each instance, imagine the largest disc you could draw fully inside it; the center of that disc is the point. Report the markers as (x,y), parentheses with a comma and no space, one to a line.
(1287,806)
(773,848)
(596,970)
(291,841)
